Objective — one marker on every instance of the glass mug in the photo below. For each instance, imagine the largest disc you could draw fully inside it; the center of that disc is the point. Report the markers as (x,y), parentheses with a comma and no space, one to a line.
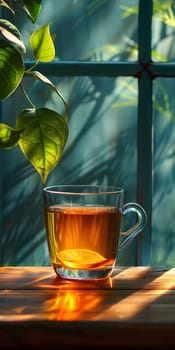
(83,227)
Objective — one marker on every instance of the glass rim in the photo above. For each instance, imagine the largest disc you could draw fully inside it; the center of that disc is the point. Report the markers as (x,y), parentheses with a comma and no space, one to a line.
(88,189)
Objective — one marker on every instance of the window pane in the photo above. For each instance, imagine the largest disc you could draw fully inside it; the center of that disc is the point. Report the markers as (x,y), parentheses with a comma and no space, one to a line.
(163,26)
(97,30)
(101,150)
(163,248)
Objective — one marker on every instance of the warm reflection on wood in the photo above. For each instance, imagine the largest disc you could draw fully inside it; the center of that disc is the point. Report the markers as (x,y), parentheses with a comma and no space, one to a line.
(73,305)
(76,304)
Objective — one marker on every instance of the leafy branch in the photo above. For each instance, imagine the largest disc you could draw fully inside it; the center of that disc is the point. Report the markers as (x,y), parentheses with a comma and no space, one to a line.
(40,133)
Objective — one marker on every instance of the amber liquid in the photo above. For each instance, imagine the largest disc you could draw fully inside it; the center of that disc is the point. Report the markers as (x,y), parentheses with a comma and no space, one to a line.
(83,238)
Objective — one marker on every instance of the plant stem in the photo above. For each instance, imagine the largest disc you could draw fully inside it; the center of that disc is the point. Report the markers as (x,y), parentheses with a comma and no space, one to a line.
(31,68)
(27,97)
(65,104)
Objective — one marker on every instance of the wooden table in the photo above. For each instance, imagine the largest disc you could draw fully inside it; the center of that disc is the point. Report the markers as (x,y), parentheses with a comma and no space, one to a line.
(134,309)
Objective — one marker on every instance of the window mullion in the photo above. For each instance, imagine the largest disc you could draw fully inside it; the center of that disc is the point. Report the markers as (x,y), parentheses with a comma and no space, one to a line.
(83,68)
(144,149)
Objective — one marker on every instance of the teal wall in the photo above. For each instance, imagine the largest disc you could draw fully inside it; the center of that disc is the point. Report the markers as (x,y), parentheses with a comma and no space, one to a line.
(115,66)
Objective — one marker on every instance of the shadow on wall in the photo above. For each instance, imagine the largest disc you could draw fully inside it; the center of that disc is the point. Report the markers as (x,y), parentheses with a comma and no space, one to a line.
(101,150)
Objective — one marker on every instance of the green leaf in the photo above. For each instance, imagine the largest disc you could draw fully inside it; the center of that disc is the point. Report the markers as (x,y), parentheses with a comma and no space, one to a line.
(12,34)
(43,138)
(11,69)
(8,136)
(32,8)
(42,44)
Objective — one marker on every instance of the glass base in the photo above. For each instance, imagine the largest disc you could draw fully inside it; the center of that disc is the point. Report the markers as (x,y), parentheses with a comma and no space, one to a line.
(82,274)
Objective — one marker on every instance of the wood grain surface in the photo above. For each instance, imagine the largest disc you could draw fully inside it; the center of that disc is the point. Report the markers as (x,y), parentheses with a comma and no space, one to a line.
(133,309)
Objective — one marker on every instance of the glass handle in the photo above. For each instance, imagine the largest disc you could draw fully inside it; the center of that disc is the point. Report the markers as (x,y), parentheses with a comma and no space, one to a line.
(134,230)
